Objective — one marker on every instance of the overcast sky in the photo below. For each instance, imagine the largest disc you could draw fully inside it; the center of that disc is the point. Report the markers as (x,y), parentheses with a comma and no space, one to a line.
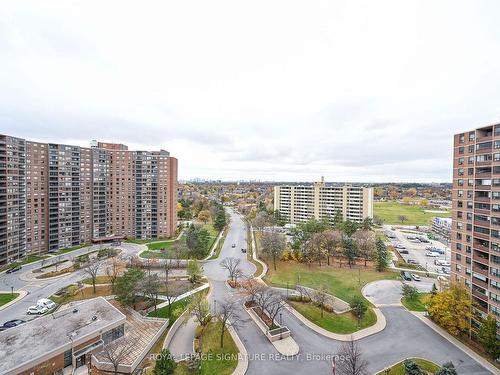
(269,90)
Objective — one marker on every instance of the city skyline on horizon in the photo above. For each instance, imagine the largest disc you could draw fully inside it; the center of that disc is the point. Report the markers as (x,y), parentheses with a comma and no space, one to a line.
(334,90)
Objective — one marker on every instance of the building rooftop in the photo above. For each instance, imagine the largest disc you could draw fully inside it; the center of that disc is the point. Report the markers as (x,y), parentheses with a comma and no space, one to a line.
(38,339)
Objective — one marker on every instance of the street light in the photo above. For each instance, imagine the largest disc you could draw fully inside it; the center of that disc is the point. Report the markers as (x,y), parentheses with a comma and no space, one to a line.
(11,290)
(281,327)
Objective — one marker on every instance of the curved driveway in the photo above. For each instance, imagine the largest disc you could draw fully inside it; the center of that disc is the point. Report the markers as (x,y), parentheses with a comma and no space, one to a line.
(404,336)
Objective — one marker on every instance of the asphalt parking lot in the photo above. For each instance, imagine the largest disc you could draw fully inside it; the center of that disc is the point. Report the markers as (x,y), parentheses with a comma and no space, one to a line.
(416,249)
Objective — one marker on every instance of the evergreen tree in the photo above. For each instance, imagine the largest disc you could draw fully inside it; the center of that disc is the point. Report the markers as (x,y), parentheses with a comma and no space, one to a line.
(165,364)
(447,369)
(349,250)
(382,256)
(128,286)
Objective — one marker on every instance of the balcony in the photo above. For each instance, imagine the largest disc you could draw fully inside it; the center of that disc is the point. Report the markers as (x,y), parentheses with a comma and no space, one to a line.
(480,270)
(479,295)
(480,259)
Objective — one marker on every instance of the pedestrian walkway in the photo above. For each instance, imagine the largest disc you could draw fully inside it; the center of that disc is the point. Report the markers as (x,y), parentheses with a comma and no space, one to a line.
(182,296)
(181,344)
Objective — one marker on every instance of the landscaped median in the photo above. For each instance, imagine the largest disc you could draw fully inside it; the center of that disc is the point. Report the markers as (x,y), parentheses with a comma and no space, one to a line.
(6,298)
(399,368)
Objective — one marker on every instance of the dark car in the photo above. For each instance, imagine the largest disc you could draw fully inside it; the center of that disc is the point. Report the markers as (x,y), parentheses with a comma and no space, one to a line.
(403,252)
(406,275)
(243,250)
(13,323)
(14,269)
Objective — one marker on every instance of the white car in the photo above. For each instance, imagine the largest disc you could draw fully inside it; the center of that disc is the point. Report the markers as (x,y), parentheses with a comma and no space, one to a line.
(415,277)
(400,246)
(37,310)
(47,303)
(431,254)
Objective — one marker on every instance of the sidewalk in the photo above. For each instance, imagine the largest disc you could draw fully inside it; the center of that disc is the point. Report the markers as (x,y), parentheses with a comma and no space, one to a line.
(182,296)
(457,343)
(22,294)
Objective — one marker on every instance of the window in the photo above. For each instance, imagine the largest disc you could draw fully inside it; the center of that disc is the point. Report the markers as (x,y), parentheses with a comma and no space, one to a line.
(483,158)
(461,171)
(471,160)
(458,256)
(461,150)
(472,136)
(461,138)
(460,161)
(113,334)
(483,146)
(460,193)
(459,248)
(496,144)
(460,182)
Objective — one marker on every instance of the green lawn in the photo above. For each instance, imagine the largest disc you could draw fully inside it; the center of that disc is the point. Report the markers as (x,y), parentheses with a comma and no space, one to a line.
(222,361)
(390,211)
(98,280)
(67,250)
(343,282)
(154,248)
(424,364)
(338,323)
(28,259)
(415,305)
(178,307)
(7,297)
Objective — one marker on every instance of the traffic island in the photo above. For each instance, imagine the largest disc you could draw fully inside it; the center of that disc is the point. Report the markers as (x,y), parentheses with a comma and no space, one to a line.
(279,336)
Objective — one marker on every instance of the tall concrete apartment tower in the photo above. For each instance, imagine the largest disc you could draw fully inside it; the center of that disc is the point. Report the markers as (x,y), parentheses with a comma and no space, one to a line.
(55,196)
(475,239)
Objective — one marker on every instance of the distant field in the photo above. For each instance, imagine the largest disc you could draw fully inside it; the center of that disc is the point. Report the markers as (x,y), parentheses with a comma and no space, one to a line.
(389,212)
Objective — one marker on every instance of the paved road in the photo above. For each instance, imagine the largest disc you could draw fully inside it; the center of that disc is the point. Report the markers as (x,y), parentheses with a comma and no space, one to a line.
(389,291)
(44,288)
(404,336)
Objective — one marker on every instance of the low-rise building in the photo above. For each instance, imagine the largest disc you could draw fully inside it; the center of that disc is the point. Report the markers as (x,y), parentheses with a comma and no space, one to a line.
(442,227)
(61,342)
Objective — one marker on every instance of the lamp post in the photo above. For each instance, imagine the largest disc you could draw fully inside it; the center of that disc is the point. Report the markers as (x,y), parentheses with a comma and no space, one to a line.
(281,327)
(215,307)
(11,290)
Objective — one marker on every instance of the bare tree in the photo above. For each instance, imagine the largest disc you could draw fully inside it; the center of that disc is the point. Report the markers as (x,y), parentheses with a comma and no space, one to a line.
(365,243)
(91,268)
(333,240)
(150,287)
(199,307)
(113,269)
(176,250)
(117,351)
(228,316)
(350,359)
(170,298)
(320,297)
(57,261)
(167,267)
(317,247)
(270,301)
(273,244)
(252,288)
(232,265)
(303,292)
(262,220)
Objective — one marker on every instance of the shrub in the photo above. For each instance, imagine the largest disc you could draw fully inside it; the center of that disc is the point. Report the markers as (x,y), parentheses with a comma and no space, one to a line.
(411,368)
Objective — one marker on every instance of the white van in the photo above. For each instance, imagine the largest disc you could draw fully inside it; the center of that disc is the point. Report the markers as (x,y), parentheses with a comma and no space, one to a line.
(49,304)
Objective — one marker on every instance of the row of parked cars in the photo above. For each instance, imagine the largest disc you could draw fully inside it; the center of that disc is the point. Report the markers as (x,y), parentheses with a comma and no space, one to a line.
(42,306)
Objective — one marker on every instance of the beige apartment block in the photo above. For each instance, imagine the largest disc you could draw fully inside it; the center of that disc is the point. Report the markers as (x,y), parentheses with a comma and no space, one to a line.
(475,230)
(299,203)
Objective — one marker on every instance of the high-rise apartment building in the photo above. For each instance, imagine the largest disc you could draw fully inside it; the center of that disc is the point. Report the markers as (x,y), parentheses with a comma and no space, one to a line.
(475,234)
(55,196)
(299,203)
(12,198)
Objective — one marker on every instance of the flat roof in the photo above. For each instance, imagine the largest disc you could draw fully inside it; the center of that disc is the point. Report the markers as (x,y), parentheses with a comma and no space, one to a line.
(49,335)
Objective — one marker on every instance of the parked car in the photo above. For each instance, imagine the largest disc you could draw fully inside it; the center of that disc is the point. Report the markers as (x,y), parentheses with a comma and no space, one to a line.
(411,238)
(411,261)
(400,246)
(37,310)
(446,270)
(243,250)
(233,245)
(14,269)
(12,323)
(403,251)
(423,239)
(47,303)
(415,277)
(406,275)
(390,235)
(431,254)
